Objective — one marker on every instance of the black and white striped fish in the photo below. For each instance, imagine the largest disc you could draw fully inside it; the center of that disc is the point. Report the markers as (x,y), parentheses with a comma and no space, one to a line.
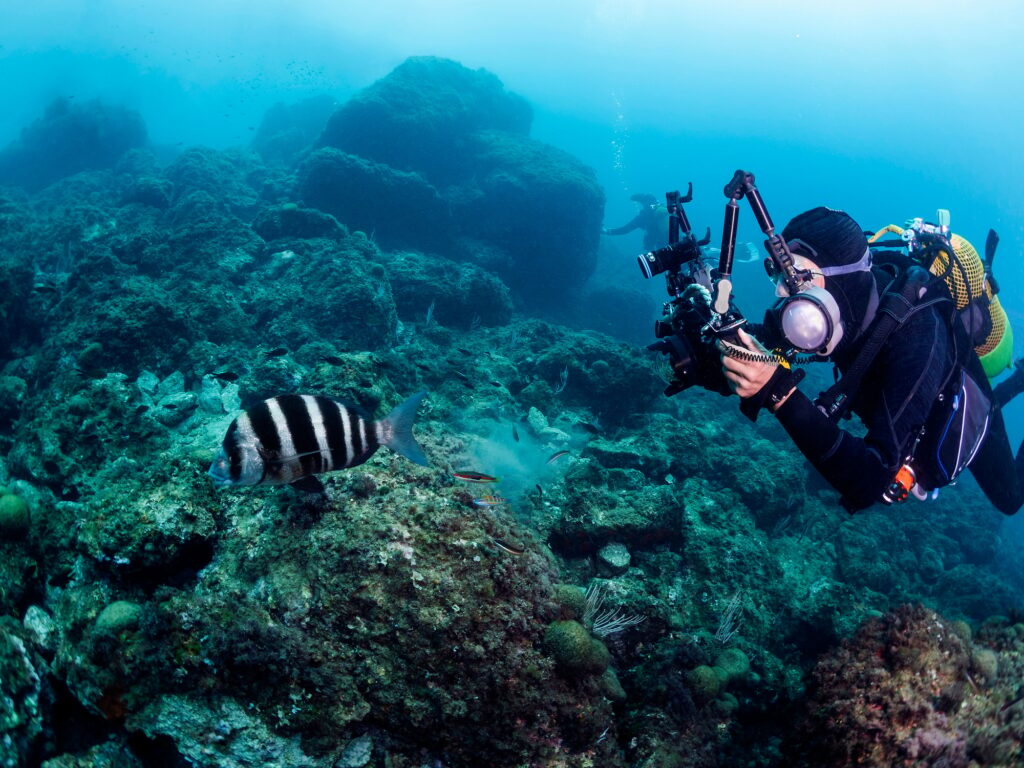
(291,438)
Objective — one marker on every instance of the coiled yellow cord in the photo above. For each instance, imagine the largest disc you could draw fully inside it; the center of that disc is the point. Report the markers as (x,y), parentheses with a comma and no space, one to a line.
(774,357)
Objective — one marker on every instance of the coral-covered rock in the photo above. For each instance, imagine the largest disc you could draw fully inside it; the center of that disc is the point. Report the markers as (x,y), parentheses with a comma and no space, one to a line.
(24,696)
(560,369)
(399,209)
(334,620)
(286,130)
(903,691)
(704,683)
(292,221)
(436,156)
(602,509)
(422,116)
(17,311)
(223,175)
(539,210)
(70,138)
(14,515)
(114,753)
(152,191)
(139,324)
(463,295)
(574,649)
(327,291)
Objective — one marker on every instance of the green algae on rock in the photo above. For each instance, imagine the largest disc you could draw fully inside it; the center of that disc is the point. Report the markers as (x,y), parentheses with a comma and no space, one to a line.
(119,616)
(14,516)
(574,649)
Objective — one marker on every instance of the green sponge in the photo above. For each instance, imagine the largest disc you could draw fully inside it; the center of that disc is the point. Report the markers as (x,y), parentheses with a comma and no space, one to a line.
(732,664)
(117,617)
(571,600)
(704,683)
(575,651)
(14,516)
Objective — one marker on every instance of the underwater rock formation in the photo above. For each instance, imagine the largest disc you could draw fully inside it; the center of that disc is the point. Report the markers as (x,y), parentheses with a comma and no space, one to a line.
(287,130)
(537,211)
(25,696)
(70,138)
(423,115)
(399,209)
(462,295)
(912,688)
(224,176)
(439,155)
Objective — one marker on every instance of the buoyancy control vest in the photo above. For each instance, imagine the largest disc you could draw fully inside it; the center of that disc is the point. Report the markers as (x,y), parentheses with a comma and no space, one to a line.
(938,272)
(970,283)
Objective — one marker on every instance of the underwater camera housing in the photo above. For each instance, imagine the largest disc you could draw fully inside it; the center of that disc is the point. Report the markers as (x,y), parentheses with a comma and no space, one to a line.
(689,326)
(701,310)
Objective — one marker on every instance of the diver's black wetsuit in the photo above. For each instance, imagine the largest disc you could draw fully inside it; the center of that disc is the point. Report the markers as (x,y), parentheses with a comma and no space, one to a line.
(652,219)
(998,472)
(894,400)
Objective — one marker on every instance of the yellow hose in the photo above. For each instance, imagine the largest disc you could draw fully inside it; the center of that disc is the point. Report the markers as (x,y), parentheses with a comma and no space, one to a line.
(891,228)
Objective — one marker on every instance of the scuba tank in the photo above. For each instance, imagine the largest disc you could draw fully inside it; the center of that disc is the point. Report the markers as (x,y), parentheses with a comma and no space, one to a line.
(970,283)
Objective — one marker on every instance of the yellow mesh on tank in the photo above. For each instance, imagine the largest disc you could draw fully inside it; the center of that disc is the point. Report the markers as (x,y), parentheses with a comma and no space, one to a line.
(966,279)
(999,323)
(966,282)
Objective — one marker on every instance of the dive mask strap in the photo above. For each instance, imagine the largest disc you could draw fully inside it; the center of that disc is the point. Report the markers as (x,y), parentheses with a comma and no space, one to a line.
(861,265)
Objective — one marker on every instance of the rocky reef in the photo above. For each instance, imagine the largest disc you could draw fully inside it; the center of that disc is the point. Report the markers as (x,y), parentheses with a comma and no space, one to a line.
(438,156)
(652,582)
(68,138)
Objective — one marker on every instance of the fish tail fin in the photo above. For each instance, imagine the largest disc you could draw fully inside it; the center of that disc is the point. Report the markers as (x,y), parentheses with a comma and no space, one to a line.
(397,432)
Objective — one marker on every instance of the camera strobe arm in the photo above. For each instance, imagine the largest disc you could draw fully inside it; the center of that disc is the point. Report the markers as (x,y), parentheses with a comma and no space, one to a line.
(742,185)
(726,319)
(677,219)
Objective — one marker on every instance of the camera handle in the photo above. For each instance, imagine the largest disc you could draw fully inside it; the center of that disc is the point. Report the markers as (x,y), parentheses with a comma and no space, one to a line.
(678,222)
(676,215)
(725,318)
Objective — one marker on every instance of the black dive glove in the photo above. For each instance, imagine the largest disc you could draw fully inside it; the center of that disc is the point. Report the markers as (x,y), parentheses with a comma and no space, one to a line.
(772,393)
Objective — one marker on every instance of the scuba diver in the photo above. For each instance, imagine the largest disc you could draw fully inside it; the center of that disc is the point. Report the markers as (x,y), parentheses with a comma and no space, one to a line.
(652,218)
(909,362)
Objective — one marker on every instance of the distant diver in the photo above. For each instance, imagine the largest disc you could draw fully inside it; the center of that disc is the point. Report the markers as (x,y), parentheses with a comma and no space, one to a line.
(652,218)
(292,438)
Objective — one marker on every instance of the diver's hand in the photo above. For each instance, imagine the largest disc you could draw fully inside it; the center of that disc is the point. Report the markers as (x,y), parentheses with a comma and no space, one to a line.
(746,378)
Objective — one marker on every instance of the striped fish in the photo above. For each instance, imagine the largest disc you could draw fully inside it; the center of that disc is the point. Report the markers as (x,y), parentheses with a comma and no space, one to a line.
(291,438)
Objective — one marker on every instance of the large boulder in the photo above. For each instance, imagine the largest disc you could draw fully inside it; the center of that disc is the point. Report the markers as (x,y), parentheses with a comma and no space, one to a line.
(70,138)
(463,295)
(399,209)
(225,176)
(437,157)
(912,688)
(288,129)
(538,206)
(422,117)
